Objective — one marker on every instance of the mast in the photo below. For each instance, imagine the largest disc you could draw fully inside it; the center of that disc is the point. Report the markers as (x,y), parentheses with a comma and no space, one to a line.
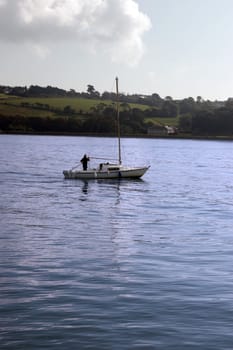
(118,122)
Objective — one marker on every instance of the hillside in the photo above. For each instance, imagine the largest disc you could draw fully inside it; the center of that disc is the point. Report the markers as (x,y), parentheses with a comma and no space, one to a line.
(73,114)
(53,110)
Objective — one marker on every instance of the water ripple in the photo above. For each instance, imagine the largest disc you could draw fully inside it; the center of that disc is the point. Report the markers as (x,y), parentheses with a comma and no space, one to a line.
(119,264)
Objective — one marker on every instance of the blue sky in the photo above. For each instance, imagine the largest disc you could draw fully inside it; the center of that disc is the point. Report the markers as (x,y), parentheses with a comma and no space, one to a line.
(176,48)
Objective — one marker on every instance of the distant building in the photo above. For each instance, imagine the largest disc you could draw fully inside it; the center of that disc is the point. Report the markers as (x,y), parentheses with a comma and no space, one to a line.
(160,130)
(171,130)
(157,130)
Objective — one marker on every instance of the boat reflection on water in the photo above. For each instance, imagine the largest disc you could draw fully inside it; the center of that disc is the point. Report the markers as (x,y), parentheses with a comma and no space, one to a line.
(85,187)
(111,189)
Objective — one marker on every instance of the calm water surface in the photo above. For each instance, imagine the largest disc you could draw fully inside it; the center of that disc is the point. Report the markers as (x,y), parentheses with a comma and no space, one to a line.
(116,264)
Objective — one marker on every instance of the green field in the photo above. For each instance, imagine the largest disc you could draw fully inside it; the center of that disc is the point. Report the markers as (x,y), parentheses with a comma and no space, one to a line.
(60,102)
(7,110)
(4,96)
(77,104)
(163,121)
(11,106)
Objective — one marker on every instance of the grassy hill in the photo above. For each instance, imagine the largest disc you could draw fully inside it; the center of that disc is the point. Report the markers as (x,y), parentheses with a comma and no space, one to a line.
(16,105)
(68,113)
(84,104)
(163,121)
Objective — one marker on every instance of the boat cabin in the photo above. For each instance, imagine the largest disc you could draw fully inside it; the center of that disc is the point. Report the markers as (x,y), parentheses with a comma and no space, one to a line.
(109,167)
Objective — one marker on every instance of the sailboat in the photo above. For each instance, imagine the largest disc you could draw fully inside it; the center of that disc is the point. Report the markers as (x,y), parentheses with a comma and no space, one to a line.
(106,170)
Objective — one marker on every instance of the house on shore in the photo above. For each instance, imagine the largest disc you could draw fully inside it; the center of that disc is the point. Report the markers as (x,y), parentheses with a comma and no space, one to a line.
(161,130)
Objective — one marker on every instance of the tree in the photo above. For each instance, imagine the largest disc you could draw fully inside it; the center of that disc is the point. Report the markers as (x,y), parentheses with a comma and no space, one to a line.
(156,100)
(185,123)
(109,111)
(90,89)
(68,110)
(187,105)
(229,103)
(92,92)
(199,99)
(203,122)
(169,109)
(125,106)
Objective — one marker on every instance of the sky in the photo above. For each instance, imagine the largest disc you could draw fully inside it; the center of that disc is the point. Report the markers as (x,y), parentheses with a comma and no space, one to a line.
(177,48)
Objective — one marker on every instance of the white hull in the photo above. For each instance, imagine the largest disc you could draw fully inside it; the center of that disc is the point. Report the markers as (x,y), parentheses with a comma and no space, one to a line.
(122,172)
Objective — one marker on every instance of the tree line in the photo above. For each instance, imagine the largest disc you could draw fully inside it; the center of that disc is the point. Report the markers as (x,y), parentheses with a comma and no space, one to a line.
(195,116)
(153,100)
(92,123)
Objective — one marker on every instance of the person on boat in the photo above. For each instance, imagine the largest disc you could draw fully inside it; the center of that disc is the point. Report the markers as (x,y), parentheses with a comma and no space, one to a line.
(84,161)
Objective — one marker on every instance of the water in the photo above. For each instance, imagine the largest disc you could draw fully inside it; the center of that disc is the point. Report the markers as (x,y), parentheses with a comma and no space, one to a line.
(116,264)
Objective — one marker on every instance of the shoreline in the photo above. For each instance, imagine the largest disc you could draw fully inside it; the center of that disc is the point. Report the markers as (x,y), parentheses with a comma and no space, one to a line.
(142,136)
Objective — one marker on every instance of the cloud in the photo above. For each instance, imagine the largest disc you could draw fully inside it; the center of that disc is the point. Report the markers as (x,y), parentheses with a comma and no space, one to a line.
(115,27)
(41,51)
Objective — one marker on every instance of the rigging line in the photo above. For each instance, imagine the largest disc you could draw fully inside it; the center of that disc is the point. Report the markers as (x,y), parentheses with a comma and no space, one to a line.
(113,88)
(103,158)
(118,122)
(76,166)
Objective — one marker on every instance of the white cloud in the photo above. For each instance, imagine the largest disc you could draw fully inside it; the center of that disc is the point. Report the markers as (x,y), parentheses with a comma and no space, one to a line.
(114,26)
(40,50)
